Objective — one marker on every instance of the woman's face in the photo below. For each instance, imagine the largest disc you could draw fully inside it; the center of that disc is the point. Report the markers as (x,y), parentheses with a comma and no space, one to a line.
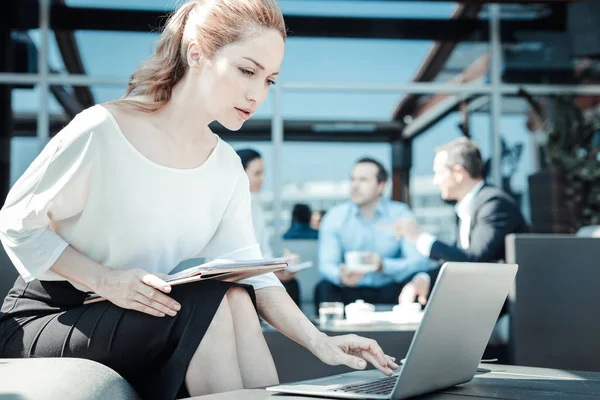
(235,81)
(256,174)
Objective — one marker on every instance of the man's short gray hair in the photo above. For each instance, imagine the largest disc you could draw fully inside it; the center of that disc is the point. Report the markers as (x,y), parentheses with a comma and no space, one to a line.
(462,151)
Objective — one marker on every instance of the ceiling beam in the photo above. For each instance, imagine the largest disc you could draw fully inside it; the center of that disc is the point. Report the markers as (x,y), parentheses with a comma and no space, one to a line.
(260,130)
(434,62)
(441,52)
(64,18)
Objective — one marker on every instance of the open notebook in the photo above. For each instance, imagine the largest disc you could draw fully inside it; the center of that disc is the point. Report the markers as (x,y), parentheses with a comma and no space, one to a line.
(224,270)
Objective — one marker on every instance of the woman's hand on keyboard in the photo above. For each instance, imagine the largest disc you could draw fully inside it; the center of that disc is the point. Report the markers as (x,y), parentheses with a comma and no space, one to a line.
(354,351)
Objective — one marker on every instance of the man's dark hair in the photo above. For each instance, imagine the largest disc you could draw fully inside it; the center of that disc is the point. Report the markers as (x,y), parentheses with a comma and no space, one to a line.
(462,151)
(382,175)
(301,213)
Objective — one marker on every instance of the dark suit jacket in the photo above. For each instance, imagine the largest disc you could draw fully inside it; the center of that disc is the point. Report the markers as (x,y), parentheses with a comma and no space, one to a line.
(495,214)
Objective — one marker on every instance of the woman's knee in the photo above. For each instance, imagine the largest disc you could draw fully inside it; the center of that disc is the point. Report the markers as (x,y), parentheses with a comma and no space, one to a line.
(241,303)
(238,296)
(222,322)
(242,309)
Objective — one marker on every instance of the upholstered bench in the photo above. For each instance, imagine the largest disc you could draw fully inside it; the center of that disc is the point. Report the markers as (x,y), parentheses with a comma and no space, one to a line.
(60,379)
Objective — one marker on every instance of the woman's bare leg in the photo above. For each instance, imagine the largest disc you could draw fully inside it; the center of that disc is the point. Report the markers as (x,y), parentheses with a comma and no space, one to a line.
(214,367)
(255,361)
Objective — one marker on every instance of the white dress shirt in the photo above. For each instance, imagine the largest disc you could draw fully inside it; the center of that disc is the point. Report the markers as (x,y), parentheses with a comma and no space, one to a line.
(464,211)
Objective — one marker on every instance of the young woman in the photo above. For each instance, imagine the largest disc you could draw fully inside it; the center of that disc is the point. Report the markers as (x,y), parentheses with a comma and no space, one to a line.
(129,189)
(254,167)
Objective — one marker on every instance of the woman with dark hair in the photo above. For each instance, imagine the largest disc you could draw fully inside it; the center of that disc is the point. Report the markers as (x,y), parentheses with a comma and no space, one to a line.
(254,166)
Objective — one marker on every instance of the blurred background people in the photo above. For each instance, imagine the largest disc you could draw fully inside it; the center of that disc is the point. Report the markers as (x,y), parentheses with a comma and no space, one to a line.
(363,224)
(300,227)
(254,167)
(486,214)
(316,218)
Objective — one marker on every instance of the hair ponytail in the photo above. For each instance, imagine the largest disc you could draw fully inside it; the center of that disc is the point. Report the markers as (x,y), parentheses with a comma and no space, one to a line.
(157,76)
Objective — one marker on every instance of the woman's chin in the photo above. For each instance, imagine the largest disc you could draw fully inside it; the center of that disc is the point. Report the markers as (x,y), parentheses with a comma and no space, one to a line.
(232,125)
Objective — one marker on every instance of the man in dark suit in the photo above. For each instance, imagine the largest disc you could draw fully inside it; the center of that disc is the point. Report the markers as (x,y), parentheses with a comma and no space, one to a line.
(486,214)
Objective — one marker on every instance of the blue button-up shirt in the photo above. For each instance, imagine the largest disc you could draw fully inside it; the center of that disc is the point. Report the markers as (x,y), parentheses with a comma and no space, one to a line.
(344,229)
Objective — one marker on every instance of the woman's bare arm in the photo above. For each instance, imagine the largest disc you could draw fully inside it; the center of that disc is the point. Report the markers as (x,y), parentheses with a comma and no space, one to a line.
(279,310)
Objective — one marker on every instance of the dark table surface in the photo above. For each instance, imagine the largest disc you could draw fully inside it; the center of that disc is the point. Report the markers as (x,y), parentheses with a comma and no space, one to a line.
(491,382)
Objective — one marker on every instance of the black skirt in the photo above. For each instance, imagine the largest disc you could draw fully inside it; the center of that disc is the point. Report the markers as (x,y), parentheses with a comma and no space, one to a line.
(48,319)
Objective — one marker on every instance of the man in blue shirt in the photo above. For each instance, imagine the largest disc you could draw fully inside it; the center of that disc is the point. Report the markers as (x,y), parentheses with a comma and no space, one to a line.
(366,224)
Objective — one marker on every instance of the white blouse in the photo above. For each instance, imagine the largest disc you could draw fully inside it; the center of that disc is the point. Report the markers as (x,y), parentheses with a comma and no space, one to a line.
(90,188)
(260,227)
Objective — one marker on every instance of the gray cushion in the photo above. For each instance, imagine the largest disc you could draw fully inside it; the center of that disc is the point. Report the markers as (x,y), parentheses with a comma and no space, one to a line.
(55,378)
(61,378)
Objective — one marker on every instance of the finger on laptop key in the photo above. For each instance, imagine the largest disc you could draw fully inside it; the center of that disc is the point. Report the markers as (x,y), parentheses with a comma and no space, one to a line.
(391,362)
(374,348)
(368,346)
(373,360)
(372,352)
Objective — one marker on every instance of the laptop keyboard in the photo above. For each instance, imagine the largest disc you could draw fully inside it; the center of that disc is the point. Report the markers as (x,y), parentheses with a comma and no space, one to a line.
(379,386)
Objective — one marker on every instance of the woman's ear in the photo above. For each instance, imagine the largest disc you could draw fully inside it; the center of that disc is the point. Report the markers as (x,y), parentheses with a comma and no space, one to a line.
(194,55)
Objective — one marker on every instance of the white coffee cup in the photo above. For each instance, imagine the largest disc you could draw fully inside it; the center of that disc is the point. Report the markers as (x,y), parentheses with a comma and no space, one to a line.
(359,312)
(359,261)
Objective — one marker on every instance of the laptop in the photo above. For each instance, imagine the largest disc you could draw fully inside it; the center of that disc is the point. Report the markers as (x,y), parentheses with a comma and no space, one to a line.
(447,347)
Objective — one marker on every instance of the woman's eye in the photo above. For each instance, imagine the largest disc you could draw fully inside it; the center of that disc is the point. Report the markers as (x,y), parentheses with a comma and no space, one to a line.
(246,71)
(270,82)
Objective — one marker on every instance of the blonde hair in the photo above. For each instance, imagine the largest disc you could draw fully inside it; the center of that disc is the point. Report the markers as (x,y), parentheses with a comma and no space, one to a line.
(214,24)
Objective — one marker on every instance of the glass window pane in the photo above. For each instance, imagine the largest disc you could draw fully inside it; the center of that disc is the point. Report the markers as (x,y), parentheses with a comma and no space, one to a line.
(105,93)
(339,106)
(114,54)
(315,60)
(28,101)
(352,61)
(55,61)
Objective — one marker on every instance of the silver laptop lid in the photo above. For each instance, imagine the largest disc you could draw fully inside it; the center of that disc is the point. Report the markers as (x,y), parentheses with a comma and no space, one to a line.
(460,316)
